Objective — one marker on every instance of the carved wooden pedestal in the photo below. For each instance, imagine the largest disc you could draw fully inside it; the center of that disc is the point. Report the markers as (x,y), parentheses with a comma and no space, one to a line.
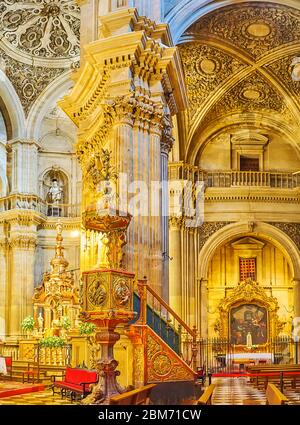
(107,302)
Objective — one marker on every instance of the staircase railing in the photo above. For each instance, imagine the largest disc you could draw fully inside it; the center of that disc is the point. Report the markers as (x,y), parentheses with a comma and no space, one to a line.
(157,314)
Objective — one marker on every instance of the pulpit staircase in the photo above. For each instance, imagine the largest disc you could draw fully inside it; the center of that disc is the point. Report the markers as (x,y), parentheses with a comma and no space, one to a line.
(169,344)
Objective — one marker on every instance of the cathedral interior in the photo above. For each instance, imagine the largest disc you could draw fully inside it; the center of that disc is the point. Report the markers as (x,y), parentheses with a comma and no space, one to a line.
(149,183)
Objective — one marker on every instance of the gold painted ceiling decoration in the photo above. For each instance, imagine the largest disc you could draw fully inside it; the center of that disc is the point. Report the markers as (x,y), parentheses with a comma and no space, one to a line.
(39,40)
(239,59)
(206,68)
(254,27)
(251,94)
(41,28)
(28,81)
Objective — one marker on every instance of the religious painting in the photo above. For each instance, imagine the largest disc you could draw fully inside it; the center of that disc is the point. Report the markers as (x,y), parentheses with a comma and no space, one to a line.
(248,325)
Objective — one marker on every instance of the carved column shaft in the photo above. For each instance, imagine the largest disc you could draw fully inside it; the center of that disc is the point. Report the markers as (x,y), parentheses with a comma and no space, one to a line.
(155,209)
(3,287)
(166,145)
(24,166)
(296,282)
(22,280)
(175,270)
(203,308)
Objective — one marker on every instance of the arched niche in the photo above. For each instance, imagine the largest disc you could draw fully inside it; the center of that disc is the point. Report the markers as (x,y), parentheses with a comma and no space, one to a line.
(54,190)
(264,231)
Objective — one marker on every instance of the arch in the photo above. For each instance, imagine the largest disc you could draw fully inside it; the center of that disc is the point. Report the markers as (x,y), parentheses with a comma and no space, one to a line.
(60,173)
(263,230)
(12,109)
(46,101)
(186,12)
(234,121)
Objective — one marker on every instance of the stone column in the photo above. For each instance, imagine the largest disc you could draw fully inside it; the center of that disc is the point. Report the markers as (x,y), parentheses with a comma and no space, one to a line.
(3,286)
(22,280)
(24,166)
(203,308)
(175,270)
(296,282)
(166,145)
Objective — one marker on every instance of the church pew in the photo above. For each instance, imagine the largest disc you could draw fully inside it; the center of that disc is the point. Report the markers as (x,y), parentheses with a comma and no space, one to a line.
(284,379)
(206,397)
(133,397)
(274,396)
(276,367)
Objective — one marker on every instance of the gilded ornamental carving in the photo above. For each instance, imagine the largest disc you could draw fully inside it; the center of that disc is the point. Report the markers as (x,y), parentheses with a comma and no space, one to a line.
(249,293)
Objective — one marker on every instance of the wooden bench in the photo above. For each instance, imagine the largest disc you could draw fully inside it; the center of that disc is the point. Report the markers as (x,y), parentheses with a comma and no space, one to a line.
(261,380)
(134,397)
(274,396)
(75,381)
(207,395)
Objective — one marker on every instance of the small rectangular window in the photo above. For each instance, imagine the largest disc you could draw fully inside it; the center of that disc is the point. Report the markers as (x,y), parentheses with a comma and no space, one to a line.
(247,269)
(248,163)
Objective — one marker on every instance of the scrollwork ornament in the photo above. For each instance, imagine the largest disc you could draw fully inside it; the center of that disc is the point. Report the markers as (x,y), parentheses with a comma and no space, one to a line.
(42,28)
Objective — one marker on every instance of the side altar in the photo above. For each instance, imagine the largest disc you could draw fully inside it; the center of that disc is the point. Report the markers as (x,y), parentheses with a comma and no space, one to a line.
(248,320)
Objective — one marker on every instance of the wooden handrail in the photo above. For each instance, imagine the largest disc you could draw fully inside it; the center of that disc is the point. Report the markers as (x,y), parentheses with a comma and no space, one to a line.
(172,312)
(143,288)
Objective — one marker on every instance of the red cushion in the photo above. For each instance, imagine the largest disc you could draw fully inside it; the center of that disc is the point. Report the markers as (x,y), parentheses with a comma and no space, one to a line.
(8,361)
(76,376)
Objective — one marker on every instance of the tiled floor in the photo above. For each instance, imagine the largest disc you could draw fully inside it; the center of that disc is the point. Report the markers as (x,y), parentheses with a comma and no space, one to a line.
(39,398)
(235,391)
(228,391)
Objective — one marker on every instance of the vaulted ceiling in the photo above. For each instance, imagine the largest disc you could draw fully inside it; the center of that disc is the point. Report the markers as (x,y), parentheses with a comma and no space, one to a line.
(238,69)
(39,40)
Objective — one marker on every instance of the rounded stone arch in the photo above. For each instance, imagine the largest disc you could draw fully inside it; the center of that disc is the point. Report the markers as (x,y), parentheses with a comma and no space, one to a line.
(59,173)
(46,101)
(186,12)
(4,189)
(263,230)
(234,121)
(12,109)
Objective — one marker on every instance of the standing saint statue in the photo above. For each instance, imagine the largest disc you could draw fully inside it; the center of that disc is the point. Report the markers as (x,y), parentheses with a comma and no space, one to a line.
(55,193)
(40,321)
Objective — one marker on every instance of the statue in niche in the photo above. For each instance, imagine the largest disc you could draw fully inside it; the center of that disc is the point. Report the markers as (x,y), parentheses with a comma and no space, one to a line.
(55,193)
(40,322)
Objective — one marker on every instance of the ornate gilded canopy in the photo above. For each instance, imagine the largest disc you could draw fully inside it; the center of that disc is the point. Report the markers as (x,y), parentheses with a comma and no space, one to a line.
(248,292)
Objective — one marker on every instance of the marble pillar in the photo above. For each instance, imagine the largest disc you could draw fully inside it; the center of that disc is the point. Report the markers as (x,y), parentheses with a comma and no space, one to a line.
(296,282)
(21,281)
(3,287)
(203,308)
(175,270)
(24,179)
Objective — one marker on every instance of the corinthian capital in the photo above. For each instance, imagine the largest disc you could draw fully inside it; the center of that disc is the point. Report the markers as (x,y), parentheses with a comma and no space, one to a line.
(176,222)
(23,242)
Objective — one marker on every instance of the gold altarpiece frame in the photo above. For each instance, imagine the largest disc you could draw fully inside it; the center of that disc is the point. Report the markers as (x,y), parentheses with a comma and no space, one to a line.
(249,292)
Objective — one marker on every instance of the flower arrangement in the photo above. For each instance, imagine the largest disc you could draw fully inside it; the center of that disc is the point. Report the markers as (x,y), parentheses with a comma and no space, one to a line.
(87,328)
(28,324)
(65,323)
(52,342)
(254,347)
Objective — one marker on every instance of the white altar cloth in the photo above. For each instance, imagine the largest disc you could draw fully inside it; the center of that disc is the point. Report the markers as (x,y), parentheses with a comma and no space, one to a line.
(3,369)
(254,356)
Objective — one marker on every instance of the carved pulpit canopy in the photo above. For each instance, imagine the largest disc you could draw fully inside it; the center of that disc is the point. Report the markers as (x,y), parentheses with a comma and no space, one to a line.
(248,311)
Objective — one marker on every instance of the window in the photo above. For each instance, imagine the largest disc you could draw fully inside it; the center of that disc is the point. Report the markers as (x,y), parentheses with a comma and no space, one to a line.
(247,269)
(248,163)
